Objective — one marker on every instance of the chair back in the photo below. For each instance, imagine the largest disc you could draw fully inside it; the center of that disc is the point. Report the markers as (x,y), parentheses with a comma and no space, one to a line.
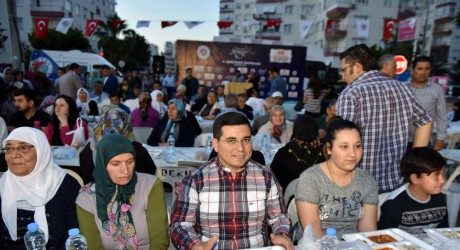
(200,141)
(292,211)
(141,134)
(76,176)
(290,191)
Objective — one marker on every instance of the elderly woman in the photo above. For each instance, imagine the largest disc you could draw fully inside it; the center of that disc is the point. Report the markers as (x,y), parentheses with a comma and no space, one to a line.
(212,108)
(303,151)
(64,120)
(145,115)
(336,193)
(114,121)
(35,189)
(277,127)
(122,209)
(157,102)
(175,124)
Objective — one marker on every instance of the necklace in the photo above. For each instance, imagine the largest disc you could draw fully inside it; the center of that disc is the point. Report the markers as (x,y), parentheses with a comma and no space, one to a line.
(332,177)
(302,160)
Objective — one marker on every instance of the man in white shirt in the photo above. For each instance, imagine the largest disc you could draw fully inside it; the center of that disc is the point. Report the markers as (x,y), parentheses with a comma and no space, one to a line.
(255,102)
(169,81)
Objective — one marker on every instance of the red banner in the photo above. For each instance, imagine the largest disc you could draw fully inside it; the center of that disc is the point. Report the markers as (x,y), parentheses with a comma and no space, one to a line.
(224,24)
(273,23)
(41,27)
(388,26)
(91,25)
(117,22)
(165,24)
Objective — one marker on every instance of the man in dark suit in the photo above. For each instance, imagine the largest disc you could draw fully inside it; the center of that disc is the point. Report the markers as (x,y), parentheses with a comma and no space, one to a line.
(110,81)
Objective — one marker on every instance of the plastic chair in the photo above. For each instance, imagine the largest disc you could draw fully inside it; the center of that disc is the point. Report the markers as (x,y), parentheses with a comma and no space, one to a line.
(290,191)
(292,211)
(76,176)
(200,141)
(141,134)
(381,198)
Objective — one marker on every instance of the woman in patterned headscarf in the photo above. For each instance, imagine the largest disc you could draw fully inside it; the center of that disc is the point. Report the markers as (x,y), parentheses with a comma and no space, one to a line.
(145,115)
(122,209)
(175,123)
(277,127)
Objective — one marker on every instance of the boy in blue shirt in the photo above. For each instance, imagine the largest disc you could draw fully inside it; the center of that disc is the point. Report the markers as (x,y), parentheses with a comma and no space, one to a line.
(419,203)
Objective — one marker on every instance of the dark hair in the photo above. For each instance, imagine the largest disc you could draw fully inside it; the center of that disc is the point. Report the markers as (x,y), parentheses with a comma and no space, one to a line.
(105,66)
(274,70)
(243,95)
(113,94)
(61,69)
(27,93)
(249,92)
(421,160)
(305,128)
(231,101)
(71,119)
(99,82)
(315,85)
(74,66)
(93,108)
(219,86)
(422,59)
(187,69)
(336,126)
(359,54)
(228,119)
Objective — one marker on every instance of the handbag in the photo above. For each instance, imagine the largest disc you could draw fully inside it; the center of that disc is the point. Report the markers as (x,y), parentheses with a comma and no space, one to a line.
(78,134)
(452,190)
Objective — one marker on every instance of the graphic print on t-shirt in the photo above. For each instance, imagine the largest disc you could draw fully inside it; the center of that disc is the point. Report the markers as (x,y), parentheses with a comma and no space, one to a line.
(341,206)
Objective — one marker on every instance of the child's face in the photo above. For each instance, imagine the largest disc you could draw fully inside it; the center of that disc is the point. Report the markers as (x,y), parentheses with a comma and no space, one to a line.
(431,183)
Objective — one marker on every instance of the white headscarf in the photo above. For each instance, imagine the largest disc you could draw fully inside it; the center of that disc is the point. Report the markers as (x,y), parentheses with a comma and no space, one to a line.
(3,130)
(83,104)
(158,106)
(33,191)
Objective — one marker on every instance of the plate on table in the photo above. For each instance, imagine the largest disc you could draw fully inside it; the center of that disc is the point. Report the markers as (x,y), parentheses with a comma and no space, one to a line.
(389,239)
(444,234)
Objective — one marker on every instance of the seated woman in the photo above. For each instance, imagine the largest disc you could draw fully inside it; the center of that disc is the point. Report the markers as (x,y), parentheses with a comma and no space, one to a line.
(145,115)
(303,151)
(64,120)
(277,127)
(122,209)
(175,124)
(157,102)
(212,108)
(335,193)
(114,121)
(83,101)
(35,189)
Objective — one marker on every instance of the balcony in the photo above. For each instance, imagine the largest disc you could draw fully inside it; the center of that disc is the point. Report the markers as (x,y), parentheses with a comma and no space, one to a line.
(336,31)
(447,18)
(46,10)
(340,9)
(270,37)
(442,3)
(442,32)
(405,14)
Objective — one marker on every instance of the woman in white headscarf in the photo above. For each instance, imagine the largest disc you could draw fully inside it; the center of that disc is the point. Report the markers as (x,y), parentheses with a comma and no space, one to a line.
(83,100)
(35,189)
(157,102)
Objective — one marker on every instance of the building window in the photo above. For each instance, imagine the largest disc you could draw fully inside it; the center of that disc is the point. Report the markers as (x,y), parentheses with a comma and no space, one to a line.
(387,3)
(238,6)
(68,5)
(307,9)
(287,29)
(77,10)
(20,22)
(247,6)
(18,3)
(362,2)
(288,9)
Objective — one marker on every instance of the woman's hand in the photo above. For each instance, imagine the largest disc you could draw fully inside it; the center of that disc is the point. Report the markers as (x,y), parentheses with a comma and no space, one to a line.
(282,240)
(206,245)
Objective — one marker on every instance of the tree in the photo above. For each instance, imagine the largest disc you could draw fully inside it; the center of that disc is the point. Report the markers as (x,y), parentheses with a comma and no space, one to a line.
(2,38)
(74,39)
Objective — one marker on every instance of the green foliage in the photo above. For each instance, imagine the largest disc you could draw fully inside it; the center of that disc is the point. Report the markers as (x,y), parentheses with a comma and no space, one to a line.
(133,48)
(2,38)
(74,39)
(395,48)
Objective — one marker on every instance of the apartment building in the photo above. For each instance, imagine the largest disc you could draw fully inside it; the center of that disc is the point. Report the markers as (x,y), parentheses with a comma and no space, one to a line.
(170,57)
(17,18)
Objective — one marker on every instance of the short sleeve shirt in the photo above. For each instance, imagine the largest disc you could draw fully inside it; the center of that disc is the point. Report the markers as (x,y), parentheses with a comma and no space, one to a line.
(18,120)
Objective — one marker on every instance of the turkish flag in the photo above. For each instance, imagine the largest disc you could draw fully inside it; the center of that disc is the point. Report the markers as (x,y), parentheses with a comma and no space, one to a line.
(272,23)
(41,27)
(91,25)
(224,24)
(117,22)
(331,23)
(165,24)
(388,25)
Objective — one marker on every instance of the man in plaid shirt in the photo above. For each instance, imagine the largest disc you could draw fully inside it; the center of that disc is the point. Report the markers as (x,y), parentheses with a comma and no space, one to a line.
(230,201)
(383,109)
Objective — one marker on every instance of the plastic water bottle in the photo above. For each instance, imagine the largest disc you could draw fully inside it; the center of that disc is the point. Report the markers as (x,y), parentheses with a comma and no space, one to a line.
(171,144)
(76,241)
(329,241)
(34,238)
(264,141)
(209,145)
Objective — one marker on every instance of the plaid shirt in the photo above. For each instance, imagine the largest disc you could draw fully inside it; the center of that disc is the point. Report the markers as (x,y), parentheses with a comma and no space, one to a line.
(432,98)
(383,109)
(238,210)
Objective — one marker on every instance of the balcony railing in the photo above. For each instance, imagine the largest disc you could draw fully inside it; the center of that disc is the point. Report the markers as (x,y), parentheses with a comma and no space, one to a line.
(47,10)
(340,9)
(441,3)
(336,31)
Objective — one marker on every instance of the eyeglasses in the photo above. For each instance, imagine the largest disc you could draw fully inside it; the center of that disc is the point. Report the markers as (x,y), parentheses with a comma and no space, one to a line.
(341,70)
(20,149)
(233,141)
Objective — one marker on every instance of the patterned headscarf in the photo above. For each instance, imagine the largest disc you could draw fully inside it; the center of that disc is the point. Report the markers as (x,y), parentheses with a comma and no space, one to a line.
(113,121)
(115,201)
(277,131)
(144,102)
(172,127)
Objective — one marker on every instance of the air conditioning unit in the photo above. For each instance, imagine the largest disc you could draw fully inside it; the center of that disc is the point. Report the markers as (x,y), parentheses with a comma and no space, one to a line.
(352,6)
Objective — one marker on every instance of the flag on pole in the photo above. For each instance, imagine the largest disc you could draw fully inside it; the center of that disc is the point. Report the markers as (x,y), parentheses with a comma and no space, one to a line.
(192,25)
(362,27)
(142,23)
(407,29)
(64,25)
(165,24)
(388,26)
(91,25)
(117,22)
(304,27)
(224,24)
(41,27)
(273,23)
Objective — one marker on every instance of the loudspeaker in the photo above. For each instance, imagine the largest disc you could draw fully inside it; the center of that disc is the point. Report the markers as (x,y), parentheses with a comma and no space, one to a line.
(158,64)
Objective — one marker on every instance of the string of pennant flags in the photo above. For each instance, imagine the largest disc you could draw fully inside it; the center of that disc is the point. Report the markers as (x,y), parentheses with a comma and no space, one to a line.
(362,25)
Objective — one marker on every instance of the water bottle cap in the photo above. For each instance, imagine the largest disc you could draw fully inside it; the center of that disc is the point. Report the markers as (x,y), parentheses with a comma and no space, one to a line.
(331,231)
(170,136)
(32,226)
(209,137)
(74,231)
